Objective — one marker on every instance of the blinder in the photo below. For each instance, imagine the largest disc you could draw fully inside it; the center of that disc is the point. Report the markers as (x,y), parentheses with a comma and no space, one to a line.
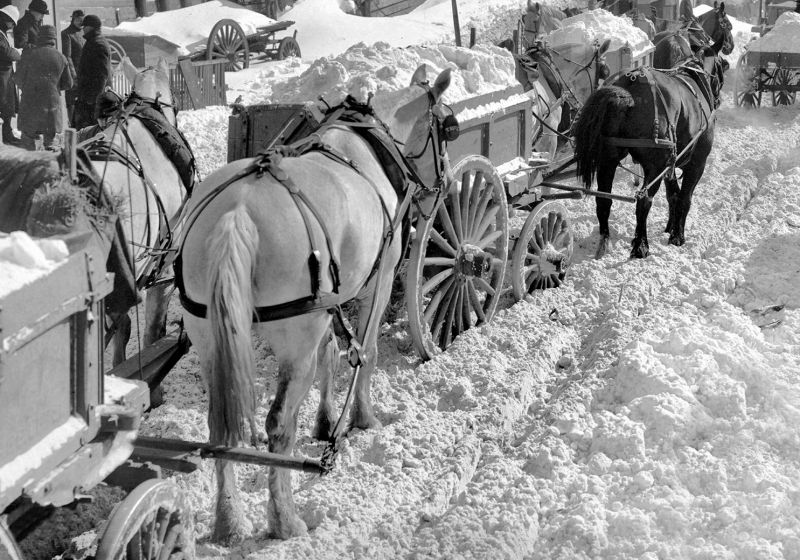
(449,128)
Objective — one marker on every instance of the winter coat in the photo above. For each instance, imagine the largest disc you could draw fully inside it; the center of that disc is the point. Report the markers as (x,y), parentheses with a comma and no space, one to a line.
(41,74)
(72,45)
(26,32)
(8,91)
(94,68)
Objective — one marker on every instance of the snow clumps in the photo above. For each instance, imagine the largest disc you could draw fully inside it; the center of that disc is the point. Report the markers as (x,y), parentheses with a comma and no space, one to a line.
(599,25)
(781,38)
(23,260)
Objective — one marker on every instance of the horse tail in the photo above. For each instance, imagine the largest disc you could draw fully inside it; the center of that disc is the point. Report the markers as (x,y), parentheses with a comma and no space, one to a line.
(601,114)
(233,244)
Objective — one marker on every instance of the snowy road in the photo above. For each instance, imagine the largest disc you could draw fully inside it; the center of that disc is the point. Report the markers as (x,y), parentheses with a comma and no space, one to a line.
(652,419)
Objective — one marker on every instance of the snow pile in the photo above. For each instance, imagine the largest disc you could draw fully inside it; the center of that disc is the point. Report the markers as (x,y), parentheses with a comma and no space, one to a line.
(381,67)
(23,260)
(784,37)
(189,28)
(323,29)
(599,25)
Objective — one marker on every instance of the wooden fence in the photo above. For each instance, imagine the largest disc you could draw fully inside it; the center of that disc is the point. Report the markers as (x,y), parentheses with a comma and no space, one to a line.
(194,84)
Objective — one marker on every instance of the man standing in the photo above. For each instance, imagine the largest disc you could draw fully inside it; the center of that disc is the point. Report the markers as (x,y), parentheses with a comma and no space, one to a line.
(42,73)
(8,89)
(72,45)
(94,71)
(28,25)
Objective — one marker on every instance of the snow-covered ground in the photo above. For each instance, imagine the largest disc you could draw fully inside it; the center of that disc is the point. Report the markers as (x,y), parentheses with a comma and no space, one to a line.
(646,409)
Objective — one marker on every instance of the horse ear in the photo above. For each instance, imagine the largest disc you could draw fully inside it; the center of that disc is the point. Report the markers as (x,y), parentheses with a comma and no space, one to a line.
(604,46)
(722,8)
(128,69)
(420,75)
(441,84)
(530,6)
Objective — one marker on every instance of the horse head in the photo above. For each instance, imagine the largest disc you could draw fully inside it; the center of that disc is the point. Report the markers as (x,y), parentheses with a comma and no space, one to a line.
(419,121)
(152,84)
(718,26)
(578,68)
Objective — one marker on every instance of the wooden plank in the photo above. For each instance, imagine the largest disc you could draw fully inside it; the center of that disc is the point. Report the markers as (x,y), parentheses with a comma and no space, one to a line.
(191,80)
(154,362)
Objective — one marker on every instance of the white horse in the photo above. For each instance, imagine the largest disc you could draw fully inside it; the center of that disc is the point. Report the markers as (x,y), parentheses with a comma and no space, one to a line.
(148,189)
(247,246)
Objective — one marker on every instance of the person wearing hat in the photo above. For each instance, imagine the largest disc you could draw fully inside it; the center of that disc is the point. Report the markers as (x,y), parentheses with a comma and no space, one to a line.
(94,71)
(8,56)
(72,45)
(28,25)
(42,73)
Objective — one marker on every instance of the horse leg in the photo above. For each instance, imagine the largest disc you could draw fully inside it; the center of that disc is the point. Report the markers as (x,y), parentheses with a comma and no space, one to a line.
(691,176)
(327,364)
(640,248)
(121,336)
(673,196)
(363,415)
(295,342)
(155,313)
(605,181)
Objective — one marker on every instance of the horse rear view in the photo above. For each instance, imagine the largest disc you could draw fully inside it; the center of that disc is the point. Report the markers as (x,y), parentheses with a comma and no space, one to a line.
(287,236)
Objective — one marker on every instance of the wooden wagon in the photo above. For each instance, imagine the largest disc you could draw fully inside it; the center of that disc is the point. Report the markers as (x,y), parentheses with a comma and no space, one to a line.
(776,73)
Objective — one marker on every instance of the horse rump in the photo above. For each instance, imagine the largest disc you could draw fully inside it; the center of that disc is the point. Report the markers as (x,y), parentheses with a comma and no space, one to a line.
(601,116)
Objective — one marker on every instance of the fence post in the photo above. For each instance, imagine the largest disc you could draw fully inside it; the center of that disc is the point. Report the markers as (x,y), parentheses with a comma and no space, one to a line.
(456,25)
(71,153)
(473,35)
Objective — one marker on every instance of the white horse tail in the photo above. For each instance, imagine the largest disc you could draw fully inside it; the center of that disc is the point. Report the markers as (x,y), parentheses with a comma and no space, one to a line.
(232,246)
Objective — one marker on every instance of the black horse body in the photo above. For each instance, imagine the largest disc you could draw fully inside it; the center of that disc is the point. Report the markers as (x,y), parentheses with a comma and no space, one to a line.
(676,45)
(683,101)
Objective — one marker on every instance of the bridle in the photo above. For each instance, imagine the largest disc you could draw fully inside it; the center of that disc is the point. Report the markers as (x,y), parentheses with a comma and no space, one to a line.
(600,67)
(442,128)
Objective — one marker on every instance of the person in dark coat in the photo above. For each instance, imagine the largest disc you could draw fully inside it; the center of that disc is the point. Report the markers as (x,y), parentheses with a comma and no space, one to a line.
(42,74)
(8,56)
(28,25)
(72,45)
(94,71)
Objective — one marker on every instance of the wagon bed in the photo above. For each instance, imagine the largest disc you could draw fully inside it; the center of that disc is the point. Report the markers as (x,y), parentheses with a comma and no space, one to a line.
(774,72)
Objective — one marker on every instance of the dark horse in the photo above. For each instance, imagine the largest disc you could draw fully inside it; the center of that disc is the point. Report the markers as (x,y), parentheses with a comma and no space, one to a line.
(656,116)
(676,45)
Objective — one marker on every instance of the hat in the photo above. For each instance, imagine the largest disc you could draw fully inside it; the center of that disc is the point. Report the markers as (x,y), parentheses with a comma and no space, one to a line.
(92,21)
(38,6)
(12,12)
(47,35)
(77,13)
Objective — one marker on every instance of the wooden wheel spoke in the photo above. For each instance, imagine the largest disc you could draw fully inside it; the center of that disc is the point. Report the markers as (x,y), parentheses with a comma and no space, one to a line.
(458,310)
(489,218)
(484,285)
(475,301)
(447,225)
(465,308)
(436,281)
(455,212)
(480,209)
(464,195)
(442,243)
(436,300)
(475,197)
(440,261)
(489,239)
(452,305)
(442,312)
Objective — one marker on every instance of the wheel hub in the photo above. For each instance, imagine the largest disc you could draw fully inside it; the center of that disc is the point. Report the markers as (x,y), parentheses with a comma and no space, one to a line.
(472,261)
(551,260)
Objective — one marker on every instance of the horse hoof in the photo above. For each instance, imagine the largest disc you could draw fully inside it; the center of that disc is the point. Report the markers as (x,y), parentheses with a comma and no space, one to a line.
(231,533)
(289,528)
(676,240)
(601,247)
(366,421)
(323,430)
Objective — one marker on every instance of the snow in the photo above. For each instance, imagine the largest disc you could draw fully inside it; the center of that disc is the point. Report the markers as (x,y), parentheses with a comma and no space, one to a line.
(599,25)
(784,37)
(23,260)
(189,28)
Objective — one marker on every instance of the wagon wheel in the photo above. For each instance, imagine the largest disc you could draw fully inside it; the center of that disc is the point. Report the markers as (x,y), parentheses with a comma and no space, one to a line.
(781,95)
(8,546)
(151,523)
(227,40)
(746,92)
(117,53)
(288,47)
(458,259)
(543,252)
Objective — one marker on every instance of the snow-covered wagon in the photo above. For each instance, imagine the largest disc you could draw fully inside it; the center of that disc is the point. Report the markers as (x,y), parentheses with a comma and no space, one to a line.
(770,64)
(66,426)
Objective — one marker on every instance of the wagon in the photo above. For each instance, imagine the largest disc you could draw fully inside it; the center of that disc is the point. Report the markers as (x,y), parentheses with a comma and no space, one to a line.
(228,41)
(777,73)
(66,426)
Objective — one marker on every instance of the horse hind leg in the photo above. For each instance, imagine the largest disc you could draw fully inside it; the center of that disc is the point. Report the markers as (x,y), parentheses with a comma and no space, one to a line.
(691,176)
(605,180)
(122,334)
(327,365)
(296,342)
(640,247)
(673,196)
